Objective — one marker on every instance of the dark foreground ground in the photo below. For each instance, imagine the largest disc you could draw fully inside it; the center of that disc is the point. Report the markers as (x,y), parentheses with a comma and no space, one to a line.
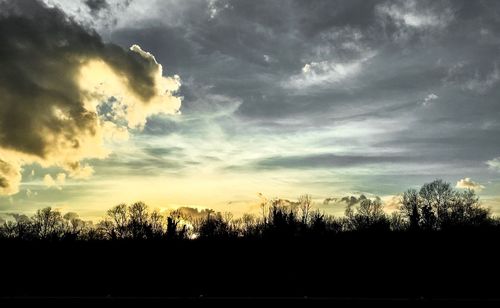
(389,268)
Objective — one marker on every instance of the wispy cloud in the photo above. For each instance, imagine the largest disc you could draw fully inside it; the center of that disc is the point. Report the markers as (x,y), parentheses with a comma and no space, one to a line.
(494,163)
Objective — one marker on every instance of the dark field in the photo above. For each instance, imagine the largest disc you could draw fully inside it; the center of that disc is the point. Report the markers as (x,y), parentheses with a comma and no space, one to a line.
(408,267)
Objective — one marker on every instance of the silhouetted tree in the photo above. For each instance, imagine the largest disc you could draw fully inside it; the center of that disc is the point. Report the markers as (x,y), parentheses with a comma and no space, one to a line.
(398,222)
(435,199)
(282,221)
(410,208)
(119,221)
(73,225)
(156,224)
(138,222)
(305,204)
(368,216)
(106,229)
(438,206)
(20,228)
(435,207)
(215,226)
(173,230)
(465,211)
(47,223)
(318,224)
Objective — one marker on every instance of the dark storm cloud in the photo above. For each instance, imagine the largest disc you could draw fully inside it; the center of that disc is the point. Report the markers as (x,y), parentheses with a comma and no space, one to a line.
(259,51)
(96,6)
(236,41)
(373,60)
(43,112)
(41,53)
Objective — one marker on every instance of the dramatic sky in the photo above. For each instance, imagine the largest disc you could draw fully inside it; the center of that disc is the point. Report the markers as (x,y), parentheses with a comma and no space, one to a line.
(206,103)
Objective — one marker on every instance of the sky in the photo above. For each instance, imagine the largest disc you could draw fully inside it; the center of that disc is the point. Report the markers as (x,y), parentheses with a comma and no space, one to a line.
(207,103)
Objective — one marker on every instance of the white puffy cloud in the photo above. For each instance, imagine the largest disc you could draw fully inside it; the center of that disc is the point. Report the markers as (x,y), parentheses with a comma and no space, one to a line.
(467,183)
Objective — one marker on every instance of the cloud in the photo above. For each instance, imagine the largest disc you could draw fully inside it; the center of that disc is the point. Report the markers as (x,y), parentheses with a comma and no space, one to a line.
(494,163)
(410,14)
(191,213)
(215,7)
(55,76)
(226,53)
(61,178)
(392,203)
(20,218)
(352,200)
(56,182)
(30,193)
(467,183)
(48,181)
(327,72)
(96,6)
(429,98)
(473,77)
(81,171)
(324,160)
(10,177)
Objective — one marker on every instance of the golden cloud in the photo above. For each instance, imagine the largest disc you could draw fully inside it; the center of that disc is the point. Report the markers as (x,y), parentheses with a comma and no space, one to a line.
(467,183)
(56,77)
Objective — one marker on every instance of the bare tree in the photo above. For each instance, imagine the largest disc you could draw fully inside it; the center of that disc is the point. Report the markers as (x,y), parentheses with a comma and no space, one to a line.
(138,223)
(22,228)
(74,223)
(435,198)
(47,223)
(263,208)
(410,208)
(118,216)
(369,215)
(305,204)
(106,229)
(157,224)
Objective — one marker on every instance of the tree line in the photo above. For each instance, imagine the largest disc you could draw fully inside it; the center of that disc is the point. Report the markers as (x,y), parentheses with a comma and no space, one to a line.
(436,206)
